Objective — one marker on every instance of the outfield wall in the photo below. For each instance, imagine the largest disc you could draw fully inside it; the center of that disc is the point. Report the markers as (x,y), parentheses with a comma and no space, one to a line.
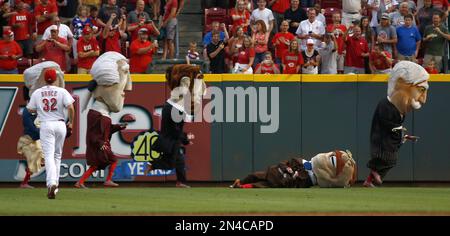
(317,113)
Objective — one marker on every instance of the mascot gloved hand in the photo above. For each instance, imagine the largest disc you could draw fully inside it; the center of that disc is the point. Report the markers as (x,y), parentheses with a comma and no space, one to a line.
(111,78)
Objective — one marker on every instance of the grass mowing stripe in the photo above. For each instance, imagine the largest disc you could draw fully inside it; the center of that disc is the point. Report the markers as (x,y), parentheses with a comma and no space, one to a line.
(138,201)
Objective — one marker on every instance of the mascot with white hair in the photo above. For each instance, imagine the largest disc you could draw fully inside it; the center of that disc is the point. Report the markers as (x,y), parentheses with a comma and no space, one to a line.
(335,169)
(407,91)
(111,78)
(29,144)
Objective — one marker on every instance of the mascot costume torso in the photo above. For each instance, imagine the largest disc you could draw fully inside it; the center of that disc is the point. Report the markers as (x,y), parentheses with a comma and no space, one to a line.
(334,169)
(407,91)
(187,89)
(111,78)
(29,144)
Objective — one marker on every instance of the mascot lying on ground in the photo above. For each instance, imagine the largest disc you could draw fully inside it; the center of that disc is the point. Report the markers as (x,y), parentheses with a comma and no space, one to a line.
(187,89)
(29,144)
(334,169)
(407,90)
(111,79)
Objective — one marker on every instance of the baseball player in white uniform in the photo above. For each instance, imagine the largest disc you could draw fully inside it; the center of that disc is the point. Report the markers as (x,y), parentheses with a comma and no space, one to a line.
(50,103)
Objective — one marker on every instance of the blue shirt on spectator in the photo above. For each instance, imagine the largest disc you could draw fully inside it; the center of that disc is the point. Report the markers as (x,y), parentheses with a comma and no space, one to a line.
(407,38)
(208,38)
(78,26)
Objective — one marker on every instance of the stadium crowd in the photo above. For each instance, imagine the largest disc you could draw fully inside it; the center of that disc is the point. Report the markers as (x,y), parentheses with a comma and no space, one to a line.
(259,36)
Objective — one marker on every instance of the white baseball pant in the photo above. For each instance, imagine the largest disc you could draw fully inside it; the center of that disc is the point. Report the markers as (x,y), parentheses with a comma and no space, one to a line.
(52,134)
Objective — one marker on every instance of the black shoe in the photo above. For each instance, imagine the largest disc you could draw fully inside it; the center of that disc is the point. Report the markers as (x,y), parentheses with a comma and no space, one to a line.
(52,192)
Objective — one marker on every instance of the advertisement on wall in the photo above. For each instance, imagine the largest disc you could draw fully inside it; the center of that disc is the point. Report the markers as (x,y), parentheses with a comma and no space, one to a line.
(143,104)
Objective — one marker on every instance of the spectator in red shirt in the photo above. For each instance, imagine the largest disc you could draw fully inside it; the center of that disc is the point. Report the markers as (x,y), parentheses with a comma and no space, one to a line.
(88,51)
(133,28)
(245,58)
(54,48)
(142,51)
(380,60)
(338,30)
(431,67)
(267,66)
(10,51)
(281,41)
(292,59)
(112,34)
(169,24)
(240,16)
(278,8)
(44,13)
(356,50)
(260,36)
(23,24)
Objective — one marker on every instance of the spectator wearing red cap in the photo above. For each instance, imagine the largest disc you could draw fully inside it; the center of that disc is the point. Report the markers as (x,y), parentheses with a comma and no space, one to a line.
(24,28)
(54,48)
(5,14)
(112,34)
(44,13)
(10,51)
(142,51)
(88,51)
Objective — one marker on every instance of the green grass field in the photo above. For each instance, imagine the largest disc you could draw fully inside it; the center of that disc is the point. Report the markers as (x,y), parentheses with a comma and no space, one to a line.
(225,201)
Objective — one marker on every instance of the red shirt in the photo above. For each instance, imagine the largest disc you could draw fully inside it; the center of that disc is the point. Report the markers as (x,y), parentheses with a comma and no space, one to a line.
(39,11)
(340,35)
(291,60)
(134,33)
(378,61)
(282,47)
(26,24)
(168,8)
(113,43)
(83,46)
(139,63)
(281,6)
(431,70)
(266,69)
(9,49)
(355,47)
(440,4)
(244,55)
(240,21)
(51,52)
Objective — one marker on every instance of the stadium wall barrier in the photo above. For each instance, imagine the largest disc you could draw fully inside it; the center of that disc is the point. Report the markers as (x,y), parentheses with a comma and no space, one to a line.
(317,113)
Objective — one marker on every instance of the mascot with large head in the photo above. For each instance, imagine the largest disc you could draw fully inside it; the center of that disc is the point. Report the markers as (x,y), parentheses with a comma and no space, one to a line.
(187,89)
(111,78)
(407,91)
(335,169)
(29,144)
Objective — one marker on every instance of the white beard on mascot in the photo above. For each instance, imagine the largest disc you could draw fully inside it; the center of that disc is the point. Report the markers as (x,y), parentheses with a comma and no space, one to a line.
(111,78)
(335,169)
(29,144)
(407,91)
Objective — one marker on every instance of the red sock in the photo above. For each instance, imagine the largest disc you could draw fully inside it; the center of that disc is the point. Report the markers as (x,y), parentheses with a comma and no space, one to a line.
(111,171)
(27,176)
(369,178)
(247,186)
(87,174)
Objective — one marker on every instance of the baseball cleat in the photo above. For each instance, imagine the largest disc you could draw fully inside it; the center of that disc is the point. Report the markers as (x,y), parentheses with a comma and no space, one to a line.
(26,186)
(52,190)
(78,185)
(181,185)
(368,184)
(236,184)
(376,177)
(110,183)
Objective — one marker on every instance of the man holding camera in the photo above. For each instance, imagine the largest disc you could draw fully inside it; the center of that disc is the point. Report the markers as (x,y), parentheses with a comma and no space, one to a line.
(311,29)
(143,23)
(216,54)
(54,48)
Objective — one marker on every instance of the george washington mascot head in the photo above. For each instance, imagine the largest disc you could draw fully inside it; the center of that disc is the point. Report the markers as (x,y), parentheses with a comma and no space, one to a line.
(407,86)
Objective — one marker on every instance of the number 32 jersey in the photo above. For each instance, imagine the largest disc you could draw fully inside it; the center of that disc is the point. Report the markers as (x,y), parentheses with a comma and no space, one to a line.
(50,103)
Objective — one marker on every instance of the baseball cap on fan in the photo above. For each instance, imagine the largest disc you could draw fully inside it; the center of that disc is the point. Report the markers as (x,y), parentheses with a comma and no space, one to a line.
(86,30)
(309,42)
(8,33)
(50,75)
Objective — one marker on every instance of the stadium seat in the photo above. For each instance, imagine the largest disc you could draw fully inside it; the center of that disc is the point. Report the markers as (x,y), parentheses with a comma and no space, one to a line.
(331,4)
(215,14)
